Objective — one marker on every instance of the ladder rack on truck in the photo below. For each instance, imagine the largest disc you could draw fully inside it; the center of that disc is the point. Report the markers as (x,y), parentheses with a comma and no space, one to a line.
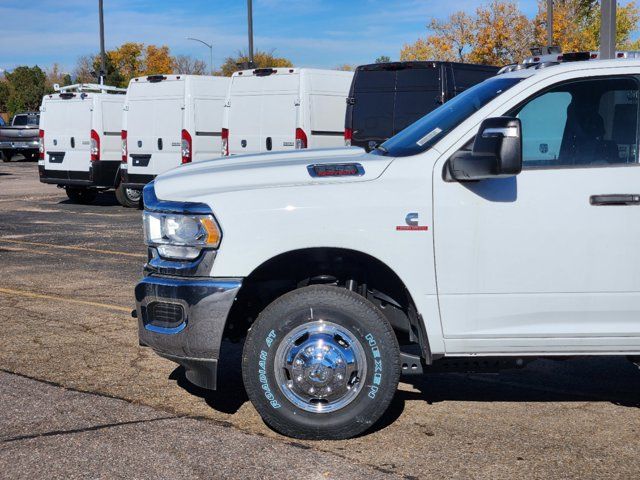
(89,87)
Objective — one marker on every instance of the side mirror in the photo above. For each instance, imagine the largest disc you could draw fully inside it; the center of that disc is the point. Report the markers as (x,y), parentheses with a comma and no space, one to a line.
(497,152)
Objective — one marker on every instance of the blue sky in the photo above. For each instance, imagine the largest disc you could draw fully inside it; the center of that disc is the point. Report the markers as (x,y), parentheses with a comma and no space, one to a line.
(321,33)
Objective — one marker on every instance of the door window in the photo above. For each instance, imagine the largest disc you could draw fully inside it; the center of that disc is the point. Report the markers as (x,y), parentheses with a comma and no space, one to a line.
(581,123)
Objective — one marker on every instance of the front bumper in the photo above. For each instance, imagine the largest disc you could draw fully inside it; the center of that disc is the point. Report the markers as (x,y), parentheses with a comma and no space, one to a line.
(101,174)
(197,310)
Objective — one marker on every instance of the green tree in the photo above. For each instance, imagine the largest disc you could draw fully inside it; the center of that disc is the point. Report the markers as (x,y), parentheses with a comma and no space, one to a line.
(260,60)
(383,59)
(25,87)
(4,94)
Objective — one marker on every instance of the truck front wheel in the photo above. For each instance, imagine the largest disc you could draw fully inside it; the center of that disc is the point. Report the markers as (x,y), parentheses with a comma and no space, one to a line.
(321,362)
(81,195)
(7,155)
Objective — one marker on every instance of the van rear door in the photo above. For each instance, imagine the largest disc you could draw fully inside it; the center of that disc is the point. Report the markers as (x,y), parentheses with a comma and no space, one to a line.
(154,126)
(263,113)
(68,134)
(280,106)
(110,143)
(418,92)
(461,76)
(372,109)
(208,125)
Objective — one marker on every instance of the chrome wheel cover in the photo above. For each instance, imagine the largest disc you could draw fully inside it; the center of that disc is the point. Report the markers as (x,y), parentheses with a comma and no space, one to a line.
(320,367)
(133,194)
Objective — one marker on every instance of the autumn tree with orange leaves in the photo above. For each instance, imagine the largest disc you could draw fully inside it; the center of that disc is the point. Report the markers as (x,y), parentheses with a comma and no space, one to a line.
(499,33)
(576,24)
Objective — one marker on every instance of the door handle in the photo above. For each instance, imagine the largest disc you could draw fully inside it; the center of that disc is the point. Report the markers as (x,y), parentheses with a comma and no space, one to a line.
(615,199)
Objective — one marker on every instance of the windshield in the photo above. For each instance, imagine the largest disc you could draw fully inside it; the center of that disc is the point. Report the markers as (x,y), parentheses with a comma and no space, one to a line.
(424,133)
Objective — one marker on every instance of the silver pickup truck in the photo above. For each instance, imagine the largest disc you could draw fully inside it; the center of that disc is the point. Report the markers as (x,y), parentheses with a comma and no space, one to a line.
(21,136)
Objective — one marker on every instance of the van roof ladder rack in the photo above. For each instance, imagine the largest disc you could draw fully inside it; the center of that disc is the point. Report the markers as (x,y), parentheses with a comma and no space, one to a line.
(88,87)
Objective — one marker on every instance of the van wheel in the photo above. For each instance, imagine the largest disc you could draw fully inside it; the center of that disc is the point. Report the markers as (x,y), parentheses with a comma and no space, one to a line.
(81,195)
(128,197)
(321,363)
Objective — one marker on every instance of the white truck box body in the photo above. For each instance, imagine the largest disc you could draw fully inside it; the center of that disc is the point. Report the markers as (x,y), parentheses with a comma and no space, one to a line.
(263,111)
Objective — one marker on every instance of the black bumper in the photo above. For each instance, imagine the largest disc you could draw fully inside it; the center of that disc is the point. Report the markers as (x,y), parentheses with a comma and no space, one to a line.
(101,174)
(134,181)
(183,320)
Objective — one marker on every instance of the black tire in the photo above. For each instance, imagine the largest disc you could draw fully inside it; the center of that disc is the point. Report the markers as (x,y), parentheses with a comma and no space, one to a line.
(356,316)
(6,156)
(126,198)
(81,195)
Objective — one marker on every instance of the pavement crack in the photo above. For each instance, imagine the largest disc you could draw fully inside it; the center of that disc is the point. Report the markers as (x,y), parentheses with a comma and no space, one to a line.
(93,428)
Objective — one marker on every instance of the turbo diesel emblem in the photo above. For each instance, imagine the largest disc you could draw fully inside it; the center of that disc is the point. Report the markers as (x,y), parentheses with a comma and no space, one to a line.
(412,223)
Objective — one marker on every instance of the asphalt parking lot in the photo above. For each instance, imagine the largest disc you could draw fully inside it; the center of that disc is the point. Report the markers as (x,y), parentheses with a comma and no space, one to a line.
(80,398)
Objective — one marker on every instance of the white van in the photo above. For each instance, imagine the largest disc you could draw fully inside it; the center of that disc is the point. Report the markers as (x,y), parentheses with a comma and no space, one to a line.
(275,109)
(170,120)
(80,139)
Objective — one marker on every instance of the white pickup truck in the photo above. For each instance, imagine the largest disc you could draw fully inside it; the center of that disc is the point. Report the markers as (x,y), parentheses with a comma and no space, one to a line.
(504,224)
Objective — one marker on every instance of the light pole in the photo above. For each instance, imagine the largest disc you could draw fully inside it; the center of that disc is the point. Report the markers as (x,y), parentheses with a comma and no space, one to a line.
(210,45)
(250,31)
(103,68)
(608,29)
(549,23)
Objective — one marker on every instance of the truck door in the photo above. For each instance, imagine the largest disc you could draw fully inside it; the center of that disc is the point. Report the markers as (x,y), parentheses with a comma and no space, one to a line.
(547,261)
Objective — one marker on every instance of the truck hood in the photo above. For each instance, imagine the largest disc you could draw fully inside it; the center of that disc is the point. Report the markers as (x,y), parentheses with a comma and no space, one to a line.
(266,170)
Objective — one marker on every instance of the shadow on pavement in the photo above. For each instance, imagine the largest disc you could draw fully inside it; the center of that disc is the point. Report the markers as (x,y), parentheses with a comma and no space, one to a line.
(105,199)
(583,379)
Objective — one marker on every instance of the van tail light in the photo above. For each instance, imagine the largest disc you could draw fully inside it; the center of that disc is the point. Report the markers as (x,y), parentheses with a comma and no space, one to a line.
(95,146)
(186,147)
(348,135)
(225,142)
(301,139)
(125,150)
(41,144)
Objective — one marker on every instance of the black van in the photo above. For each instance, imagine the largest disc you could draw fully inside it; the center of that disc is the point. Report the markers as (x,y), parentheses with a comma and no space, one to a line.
(385,98)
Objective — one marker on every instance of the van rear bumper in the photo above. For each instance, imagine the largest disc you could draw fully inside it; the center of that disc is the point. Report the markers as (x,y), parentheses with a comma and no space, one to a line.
(101,174)
(136,181)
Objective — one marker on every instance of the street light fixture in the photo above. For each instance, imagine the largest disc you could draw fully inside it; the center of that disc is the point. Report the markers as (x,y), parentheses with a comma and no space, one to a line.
(210,45)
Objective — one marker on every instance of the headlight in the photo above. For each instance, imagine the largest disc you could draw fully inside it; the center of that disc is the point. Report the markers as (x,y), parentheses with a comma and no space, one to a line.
(178,236)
